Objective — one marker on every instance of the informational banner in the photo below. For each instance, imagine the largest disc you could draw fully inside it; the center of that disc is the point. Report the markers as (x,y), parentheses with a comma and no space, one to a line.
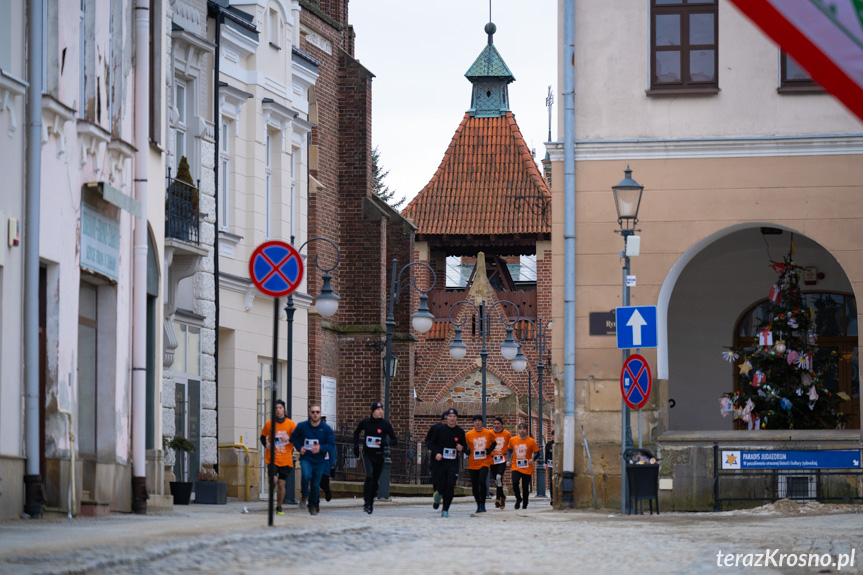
(328,399)
(100,243)
(823,36)
(826,459)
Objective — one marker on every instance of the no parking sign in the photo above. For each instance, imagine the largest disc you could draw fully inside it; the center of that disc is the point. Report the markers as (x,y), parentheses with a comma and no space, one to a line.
(276,268)
(635,381)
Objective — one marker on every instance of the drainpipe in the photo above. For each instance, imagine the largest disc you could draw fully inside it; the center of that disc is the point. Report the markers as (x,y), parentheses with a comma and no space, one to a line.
(568,476)
(139,287)
(217,161)
(216,11)
(34,497)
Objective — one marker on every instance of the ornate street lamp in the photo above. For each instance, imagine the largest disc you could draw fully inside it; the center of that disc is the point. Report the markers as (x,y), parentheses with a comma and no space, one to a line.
(627,200)
(509,349)
(422,321)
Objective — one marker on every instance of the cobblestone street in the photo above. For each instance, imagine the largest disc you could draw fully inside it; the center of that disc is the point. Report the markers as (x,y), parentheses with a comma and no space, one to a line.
(405,537)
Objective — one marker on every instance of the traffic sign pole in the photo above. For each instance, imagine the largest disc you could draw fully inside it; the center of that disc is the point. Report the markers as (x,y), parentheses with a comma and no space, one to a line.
(276,269)
(626,429)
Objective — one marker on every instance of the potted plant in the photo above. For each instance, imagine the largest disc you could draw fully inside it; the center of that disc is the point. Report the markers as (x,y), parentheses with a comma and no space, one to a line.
(208,488)
(181,490)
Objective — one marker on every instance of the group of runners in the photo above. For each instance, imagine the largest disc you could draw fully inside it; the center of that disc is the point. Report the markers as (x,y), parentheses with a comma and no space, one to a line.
(488,452)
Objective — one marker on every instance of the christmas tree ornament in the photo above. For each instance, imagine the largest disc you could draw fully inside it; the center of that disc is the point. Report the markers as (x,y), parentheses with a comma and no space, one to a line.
(775,294)
(729,356)
(745,367)
(765,337)
(780,347)
(813,394)
(759,378)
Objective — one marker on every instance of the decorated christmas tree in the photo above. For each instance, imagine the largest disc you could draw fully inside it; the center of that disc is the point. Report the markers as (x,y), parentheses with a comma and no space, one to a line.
(781,381)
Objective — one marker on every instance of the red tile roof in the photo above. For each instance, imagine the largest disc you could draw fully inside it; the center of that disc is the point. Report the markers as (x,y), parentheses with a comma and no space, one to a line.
(487,184)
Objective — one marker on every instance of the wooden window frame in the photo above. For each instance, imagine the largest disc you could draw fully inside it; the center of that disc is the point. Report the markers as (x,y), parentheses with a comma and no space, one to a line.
(685,87)
(794,86)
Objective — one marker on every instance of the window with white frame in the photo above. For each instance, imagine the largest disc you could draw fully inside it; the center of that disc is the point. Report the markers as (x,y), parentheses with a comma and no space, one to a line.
(274,29)
(293,190)
(269,181)
(181,127)
(225,176)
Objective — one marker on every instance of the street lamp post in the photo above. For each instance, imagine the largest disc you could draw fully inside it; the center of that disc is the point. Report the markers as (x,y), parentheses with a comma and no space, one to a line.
(508,348)
(327,304)
(519,363)
(627,200)
(422,321)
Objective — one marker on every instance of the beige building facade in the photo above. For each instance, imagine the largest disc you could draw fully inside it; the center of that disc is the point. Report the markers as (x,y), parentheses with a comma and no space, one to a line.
(738,154)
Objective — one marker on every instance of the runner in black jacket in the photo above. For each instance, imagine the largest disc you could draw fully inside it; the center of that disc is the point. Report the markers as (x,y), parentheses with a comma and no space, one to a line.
(376,430)
(447,441)
(433,464)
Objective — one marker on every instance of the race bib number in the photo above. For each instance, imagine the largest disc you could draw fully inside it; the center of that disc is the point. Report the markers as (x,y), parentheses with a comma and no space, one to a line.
(499,459)
(522,463)
(309,443)
(282,440)
(449,453)
(373,442)
(479,454)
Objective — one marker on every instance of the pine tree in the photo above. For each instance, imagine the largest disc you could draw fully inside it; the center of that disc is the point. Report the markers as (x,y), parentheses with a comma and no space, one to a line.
(781,382)
(381,189)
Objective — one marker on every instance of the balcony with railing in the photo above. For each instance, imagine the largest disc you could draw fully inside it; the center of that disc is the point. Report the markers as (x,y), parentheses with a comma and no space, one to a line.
(182,215)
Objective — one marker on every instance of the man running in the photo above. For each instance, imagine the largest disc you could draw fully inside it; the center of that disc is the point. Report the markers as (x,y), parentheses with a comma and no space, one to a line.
(447,442)
(376,430)
(549,466)
(315,439)
(522,452)
(284,463)
(479,442)
(497,471)
(329,469)
(433,464)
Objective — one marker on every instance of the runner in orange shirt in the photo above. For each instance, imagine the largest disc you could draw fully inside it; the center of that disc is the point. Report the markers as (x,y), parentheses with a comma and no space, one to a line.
(284,463)
(479,442)
(522,452)
(498,460)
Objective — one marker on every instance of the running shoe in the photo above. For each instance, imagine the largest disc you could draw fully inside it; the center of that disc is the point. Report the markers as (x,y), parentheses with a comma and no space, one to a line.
(279,510)
(367,508)
(436,503)
(444,513)
(497,503)
(303,502)
(313,510)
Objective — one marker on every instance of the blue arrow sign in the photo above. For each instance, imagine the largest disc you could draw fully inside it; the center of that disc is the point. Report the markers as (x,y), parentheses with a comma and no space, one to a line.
(636,327)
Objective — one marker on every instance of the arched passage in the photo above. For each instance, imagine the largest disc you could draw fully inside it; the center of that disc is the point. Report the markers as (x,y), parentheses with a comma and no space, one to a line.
(701,301)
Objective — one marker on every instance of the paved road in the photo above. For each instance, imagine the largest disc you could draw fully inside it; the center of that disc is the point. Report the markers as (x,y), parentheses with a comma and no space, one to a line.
(408,537)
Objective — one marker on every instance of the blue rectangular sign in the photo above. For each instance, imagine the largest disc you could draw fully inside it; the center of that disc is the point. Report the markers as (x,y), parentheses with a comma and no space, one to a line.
(826,459)
(636,327)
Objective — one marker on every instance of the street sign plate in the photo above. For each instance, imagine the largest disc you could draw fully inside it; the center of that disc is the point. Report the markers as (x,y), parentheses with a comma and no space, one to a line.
(276,268)
(635,381)
(636,327)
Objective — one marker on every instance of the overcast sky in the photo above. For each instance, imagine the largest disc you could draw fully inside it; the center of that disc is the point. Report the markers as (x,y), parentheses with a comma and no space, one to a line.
(419,51)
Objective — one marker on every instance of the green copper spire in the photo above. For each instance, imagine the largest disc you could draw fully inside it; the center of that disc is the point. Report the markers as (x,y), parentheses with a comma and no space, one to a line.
(490,77)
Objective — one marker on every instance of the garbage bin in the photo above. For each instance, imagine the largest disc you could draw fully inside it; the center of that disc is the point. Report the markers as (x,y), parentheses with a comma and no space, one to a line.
(642,478)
